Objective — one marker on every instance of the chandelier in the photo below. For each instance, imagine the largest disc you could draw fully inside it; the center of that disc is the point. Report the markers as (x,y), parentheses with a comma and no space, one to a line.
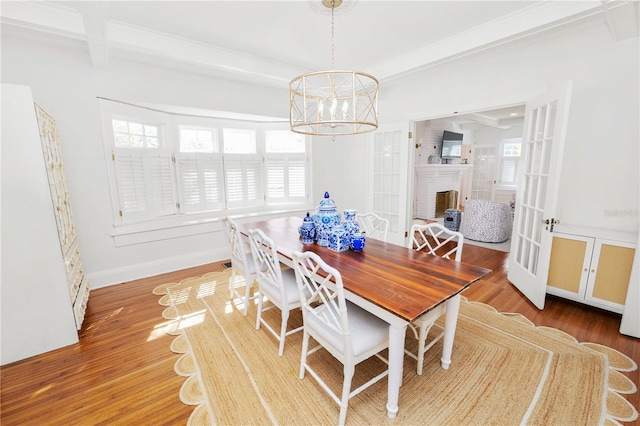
(336,102)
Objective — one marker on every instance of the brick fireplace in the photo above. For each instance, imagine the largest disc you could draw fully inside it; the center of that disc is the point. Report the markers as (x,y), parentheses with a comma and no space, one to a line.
(435,179)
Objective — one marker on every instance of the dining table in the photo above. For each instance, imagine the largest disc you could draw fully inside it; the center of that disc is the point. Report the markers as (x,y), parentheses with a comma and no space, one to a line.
(395,283)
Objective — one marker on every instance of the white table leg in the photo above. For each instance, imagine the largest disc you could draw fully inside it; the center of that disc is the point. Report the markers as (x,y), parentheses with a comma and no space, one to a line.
(396,358)
(451,319)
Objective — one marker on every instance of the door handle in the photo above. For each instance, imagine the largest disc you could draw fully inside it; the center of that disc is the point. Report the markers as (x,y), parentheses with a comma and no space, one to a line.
(551,222)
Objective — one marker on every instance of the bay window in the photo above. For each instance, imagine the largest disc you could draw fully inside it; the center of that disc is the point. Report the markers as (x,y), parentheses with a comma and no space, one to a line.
(169,170)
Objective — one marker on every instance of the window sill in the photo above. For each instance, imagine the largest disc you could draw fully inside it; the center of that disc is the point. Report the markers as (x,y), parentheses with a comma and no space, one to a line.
(186,225)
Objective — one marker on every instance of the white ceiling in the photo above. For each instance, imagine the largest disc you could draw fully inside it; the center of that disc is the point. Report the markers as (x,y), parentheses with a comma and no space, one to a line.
(270,42)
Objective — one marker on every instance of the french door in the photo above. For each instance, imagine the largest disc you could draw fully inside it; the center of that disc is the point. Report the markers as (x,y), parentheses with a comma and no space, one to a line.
(483,177)
(537,194)
(388,179)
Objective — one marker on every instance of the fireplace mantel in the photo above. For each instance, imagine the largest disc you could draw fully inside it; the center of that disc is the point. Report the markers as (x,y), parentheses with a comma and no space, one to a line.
(437,170)
(434,178)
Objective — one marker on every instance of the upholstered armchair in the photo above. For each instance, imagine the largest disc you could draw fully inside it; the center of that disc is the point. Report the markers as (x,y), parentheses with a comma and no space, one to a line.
(487,221)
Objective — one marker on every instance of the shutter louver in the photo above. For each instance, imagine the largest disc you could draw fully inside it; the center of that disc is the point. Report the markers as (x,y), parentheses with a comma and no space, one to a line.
(275,179)
(131,184)
(162,192)
(297,181)
(145,186)
(244,181)
(286,178)
(200,183)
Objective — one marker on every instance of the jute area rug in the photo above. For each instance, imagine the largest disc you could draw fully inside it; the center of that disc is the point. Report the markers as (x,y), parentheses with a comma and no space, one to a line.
(504,371)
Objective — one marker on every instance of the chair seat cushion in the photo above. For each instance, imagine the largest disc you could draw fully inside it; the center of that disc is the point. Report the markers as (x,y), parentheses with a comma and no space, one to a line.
(366,330)
(291,294)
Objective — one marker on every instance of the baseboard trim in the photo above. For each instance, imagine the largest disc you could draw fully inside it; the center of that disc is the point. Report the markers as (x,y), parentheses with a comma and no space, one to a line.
(161,266)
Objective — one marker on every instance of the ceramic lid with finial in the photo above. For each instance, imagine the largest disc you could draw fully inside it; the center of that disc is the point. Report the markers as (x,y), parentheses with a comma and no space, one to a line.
(307,219)
(327,203)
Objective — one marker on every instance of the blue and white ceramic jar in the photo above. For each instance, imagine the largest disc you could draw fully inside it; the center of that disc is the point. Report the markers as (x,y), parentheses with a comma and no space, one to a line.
(338,239)
(325,218)
(357,241)
(307,230)
(350,224)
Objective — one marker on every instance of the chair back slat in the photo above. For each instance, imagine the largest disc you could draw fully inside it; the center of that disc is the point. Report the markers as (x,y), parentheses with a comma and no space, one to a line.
(437,240)
(237,246)
(321,292)
(373,226)
(266,259)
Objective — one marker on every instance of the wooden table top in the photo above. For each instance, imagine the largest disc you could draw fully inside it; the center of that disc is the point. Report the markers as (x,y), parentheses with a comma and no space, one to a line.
(403,281)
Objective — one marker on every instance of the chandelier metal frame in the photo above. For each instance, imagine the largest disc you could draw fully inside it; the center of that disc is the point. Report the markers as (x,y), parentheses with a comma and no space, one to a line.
(336,102)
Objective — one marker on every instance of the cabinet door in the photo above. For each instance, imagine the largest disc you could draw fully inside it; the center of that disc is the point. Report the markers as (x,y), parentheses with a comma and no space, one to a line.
(569,265)
(610,272)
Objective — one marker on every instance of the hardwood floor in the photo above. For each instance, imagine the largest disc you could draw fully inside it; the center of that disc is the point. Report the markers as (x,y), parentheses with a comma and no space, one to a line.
(121,372)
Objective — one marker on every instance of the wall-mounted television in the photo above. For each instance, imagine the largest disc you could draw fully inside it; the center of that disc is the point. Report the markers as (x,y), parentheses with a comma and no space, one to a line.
(451,145)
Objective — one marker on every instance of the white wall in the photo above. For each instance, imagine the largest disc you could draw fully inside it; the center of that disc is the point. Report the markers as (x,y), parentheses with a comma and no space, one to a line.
(340,168)
(602,139)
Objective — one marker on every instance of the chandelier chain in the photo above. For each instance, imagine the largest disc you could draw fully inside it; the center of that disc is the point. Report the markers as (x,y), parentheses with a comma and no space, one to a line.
(333,46)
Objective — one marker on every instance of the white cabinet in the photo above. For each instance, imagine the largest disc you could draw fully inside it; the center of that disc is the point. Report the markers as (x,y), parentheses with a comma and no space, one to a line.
(44,290)
(591,269)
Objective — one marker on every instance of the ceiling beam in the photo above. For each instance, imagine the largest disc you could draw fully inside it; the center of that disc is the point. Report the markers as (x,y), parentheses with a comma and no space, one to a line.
(538,17)
(95,16)
(621,18)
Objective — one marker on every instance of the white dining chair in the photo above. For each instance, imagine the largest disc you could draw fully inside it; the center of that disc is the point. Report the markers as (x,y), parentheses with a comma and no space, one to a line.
(345,330)
(437,240)
(277,285)
(242,264)
(373,226)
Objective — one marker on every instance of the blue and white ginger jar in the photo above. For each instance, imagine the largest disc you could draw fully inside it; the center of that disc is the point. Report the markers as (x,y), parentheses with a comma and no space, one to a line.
(325,218)
(307,230)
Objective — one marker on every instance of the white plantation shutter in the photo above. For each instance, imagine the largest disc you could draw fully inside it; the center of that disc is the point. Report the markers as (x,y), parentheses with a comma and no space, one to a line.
(244,180)
(286,178)
(145,185)
(297,179)
(275,179)
(200,182)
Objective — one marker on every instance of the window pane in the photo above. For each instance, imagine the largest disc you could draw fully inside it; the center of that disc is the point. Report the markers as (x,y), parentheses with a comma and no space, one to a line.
(120,126)
(198,140)
(135,128)
(511,149)
(129,134)
(151,131)
(284,141)
(239,141)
